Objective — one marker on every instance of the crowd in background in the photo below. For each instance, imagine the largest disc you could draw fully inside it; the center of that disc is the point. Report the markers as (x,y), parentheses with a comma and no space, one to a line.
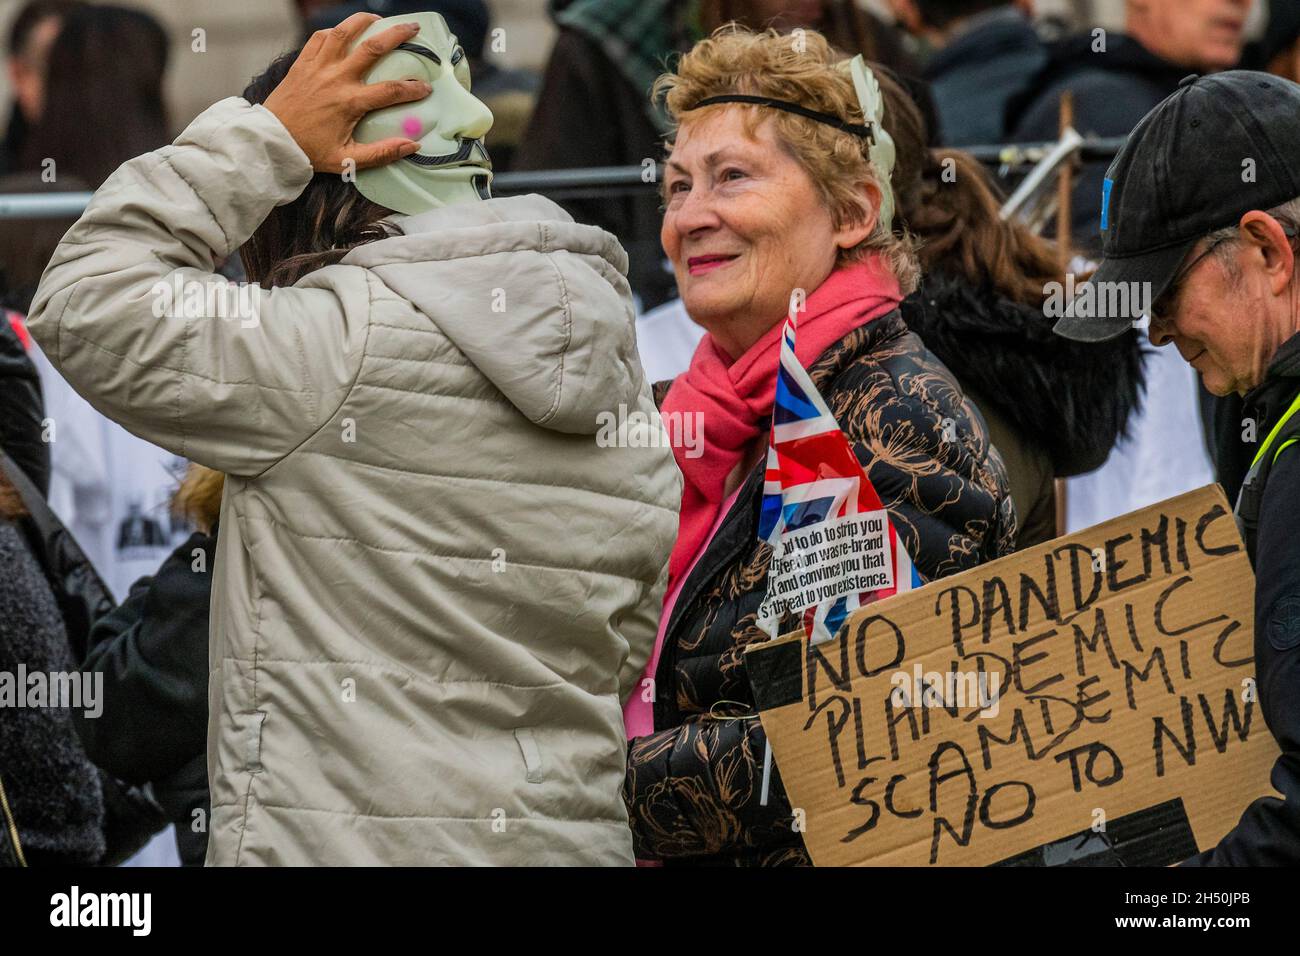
(1126,424)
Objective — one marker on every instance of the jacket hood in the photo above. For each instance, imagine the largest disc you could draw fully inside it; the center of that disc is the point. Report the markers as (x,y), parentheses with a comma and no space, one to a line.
(1074,55)
(1073,397)
(1123,54)
(537,302)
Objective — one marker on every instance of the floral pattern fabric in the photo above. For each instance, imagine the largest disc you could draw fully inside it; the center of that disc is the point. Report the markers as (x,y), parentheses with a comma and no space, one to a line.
(693,786)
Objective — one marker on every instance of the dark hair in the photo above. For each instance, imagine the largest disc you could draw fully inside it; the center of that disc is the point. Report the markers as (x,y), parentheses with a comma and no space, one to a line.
(317,229)
(103,94)
(29,18)
(32,15)
(950,205)
(940,13)
(906,125)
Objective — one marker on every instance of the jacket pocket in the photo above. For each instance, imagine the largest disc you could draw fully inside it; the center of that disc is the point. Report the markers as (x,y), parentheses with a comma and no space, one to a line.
(253,741)
(11,846)
(532,754)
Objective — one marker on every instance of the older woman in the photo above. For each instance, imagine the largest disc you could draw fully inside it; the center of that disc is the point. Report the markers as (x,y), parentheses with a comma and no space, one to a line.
(764,198)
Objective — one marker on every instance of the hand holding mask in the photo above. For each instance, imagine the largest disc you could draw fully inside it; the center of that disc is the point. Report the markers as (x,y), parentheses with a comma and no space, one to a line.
(451,164)
(325,95)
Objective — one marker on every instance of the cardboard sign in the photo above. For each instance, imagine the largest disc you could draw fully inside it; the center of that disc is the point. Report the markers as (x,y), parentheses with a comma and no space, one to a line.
(1091,698)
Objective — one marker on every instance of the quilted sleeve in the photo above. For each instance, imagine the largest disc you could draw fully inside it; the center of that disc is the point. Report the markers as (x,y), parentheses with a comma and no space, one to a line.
(694,791)
(927,451)
(130,310)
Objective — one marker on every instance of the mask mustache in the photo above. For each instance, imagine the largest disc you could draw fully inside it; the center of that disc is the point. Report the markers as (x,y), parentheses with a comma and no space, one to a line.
(463,154)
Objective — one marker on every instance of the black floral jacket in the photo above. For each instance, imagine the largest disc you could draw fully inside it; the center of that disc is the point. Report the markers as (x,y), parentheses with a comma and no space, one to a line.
(692,787)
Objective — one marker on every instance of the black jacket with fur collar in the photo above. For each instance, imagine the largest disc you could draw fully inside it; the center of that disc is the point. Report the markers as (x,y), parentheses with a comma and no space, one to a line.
(1073,399)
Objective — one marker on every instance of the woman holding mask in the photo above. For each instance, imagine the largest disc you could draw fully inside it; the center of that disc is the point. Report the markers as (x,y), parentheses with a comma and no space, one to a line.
(433,586)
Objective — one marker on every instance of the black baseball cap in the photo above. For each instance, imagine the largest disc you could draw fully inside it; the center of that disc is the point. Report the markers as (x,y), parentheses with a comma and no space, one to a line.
(1216,148)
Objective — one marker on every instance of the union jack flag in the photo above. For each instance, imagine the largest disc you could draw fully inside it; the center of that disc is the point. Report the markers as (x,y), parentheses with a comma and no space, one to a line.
(813,477)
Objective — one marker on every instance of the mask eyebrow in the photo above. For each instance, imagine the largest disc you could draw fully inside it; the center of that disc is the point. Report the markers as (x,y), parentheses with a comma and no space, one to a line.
(423,51)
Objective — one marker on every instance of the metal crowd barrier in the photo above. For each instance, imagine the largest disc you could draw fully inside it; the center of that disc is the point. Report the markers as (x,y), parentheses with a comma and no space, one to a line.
(560,184)
(42,205)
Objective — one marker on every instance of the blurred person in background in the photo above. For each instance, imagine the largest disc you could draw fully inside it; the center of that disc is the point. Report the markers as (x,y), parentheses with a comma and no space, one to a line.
(57,825)
(103,105)
(1277,51)
(56,806)
(31,34)
(1054,408)
(1117,78)
(762,201)
(25,245)
(595,109)
(51,792)
(418,510)
(103,101)
(152,652)
(982,54)
(100,104)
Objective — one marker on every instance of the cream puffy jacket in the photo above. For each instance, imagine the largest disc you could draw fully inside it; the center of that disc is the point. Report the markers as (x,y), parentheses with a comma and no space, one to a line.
(440,566)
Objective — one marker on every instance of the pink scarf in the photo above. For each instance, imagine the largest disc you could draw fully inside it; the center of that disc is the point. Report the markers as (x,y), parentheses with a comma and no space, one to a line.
(735,398)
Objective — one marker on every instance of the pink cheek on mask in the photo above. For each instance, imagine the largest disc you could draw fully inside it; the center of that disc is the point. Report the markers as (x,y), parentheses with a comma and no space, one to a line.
(412,127)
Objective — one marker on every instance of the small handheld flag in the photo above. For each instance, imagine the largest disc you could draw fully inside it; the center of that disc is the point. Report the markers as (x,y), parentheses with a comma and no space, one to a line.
(834,548)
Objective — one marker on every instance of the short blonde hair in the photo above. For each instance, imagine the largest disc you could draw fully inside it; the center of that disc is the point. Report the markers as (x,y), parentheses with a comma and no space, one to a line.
(799,67)
(199,497)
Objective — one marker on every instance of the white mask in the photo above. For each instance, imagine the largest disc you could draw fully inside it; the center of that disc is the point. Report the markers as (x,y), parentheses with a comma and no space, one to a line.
(452,164)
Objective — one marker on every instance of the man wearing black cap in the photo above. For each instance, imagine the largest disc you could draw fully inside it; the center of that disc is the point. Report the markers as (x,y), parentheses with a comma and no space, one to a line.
(1201,210)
